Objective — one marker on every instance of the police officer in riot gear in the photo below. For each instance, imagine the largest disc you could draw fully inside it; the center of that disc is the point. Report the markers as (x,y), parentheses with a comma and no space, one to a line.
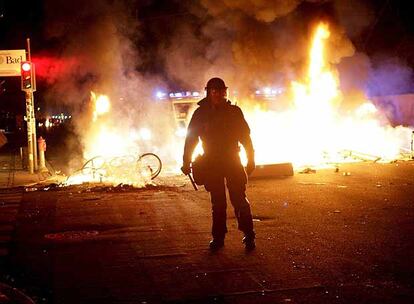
(221,127)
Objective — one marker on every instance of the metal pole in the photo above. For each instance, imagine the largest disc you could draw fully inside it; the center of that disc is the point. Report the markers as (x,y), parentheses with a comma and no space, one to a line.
(29,58)
(21,157)
(34,135)
(32,113)
(30,164)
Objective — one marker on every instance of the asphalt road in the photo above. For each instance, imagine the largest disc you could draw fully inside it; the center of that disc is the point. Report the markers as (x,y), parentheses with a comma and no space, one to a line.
(324,237)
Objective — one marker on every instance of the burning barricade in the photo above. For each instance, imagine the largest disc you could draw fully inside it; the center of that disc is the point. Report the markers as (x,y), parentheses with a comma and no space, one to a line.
(315,130)
(112,156)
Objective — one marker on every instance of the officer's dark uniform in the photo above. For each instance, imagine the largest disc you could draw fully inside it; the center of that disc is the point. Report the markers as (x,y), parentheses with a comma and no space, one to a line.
(221,129)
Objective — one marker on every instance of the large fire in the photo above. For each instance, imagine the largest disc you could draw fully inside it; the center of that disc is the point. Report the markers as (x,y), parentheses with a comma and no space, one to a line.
(314,131)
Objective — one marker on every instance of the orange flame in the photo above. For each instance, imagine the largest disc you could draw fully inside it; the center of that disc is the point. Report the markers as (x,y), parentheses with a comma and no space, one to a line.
(314,132)
(101,105)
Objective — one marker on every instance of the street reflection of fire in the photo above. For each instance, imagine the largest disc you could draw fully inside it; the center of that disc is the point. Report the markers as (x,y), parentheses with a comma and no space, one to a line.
(313,131)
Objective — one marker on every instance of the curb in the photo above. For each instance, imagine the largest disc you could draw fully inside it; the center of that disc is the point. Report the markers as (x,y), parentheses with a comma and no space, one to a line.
(50,170)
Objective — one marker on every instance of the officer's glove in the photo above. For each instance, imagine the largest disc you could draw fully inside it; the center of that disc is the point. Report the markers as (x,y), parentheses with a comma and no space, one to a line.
(251,165)
(186,169)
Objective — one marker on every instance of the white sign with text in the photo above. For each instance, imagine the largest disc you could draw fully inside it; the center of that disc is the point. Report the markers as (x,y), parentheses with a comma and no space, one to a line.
(10,62)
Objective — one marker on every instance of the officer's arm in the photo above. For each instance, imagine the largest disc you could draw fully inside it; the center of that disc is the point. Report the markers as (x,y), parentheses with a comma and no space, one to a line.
(245,138)
(191,140)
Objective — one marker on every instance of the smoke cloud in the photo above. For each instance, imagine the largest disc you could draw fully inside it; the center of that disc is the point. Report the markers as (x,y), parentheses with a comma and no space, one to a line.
(390,76)
(97,52)
(253,43)
(266,11)
(354,16)
(250,43)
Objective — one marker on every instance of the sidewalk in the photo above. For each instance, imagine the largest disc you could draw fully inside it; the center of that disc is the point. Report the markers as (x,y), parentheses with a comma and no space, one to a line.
(12,173)
(12,176)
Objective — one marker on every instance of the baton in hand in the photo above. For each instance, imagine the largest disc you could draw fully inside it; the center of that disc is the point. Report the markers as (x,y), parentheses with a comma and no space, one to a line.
(192,181)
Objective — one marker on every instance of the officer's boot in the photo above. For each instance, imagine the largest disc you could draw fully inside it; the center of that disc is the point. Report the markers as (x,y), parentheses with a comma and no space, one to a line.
(249,242)
(216,243)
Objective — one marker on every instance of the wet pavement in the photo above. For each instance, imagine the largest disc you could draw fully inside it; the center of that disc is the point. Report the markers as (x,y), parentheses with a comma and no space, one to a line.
(328,236)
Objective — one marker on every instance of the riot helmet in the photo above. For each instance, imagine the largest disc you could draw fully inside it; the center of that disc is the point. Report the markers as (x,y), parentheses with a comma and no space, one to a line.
(216,83)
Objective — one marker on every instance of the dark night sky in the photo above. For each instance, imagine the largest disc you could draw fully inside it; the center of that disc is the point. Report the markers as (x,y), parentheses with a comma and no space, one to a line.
(388,34)
(392,31)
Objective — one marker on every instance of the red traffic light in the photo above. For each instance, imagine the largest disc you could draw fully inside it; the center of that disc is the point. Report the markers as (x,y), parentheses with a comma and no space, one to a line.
(26,66)
(28,81)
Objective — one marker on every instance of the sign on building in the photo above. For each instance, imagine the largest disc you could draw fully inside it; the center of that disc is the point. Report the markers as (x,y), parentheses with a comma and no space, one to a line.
(10,62)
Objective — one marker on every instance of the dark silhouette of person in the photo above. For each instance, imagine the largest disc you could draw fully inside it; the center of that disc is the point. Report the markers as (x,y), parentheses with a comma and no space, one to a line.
(221,127)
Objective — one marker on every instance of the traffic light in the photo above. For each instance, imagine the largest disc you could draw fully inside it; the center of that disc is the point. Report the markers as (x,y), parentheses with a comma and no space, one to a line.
(28,76)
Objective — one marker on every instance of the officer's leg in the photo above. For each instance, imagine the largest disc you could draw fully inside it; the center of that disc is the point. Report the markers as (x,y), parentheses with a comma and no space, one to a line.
(242,211)
(219,206)
(236,183)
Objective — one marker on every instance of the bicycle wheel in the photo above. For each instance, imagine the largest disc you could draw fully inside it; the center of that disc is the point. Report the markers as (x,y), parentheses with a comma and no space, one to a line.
(149,163)
(93,166)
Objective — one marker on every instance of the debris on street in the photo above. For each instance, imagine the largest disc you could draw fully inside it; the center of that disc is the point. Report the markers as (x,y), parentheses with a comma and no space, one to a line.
(307,170)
